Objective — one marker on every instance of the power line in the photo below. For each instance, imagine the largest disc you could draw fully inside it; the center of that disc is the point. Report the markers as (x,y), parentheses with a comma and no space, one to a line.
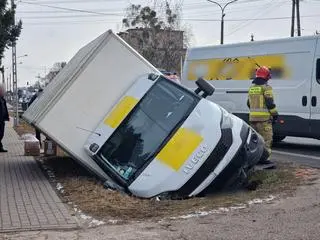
(254,19)
(185,19)
(121,9)
(100,13)
(249,19)
(75,1)
(68,9)
(66,16)
(96,14)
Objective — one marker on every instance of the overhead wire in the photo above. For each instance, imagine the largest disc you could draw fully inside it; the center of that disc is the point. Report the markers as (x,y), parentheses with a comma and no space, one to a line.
(186,6)
(68,9)
(101,13)
(249,21)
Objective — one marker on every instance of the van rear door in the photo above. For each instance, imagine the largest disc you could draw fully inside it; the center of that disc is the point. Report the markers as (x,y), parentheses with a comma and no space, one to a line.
(315,95)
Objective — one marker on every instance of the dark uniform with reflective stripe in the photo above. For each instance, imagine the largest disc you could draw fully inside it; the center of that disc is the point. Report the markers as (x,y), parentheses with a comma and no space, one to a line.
(262,110)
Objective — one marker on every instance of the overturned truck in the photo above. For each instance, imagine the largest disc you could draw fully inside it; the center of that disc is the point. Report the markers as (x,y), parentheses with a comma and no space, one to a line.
(139,132)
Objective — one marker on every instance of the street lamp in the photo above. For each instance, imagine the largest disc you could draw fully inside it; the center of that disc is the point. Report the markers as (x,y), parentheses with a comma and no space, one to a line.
(15,83)
(222,16)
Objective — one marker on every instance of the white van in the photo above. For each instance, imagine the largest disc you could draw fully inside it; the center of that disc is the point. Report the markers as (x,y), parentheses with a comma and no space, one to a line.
(295,67)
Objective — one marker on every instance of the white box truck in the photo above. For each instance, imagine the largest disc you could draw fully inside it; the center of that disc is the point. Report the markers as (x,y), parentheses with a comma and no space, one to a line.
(138,131)
(295,67)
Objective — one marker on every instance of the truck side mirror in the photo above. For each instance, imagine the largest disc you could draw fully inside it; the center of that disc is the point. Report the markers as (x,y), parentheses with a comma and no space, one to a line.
(205,87)
(152,76)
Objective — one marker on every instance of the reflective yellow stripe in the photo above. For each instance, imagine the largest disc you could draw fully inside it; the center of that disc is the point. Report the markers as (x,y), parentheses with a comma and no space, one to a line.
(261,101)
(274,110)
(259,110)
(268,93)
(262,114)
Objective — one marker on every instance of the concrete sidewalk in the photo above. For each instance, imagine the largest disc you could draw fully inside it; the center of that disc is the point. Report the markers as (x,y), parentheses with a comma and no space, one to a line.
(27,200)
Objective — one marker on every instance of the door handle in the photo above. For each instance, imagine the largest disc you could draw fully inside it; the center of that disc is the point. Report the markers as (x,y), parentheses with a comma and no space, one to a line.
(304,101)
(314,101)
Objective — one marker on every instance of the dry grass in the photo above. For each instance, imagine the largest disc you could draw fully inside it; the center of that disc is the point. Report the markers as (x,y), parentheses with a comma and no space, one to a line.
(91,197)
(87,192)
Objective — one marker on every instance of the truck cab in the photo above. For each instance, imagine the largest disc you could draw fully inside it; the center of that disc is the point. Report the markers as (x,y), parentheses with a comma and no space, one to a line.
(161,138)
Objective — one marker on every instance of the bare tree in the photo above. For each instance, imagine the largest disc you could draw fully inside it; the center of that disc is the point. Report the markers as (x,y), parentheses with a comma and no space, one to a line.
(155,32)
(57,67)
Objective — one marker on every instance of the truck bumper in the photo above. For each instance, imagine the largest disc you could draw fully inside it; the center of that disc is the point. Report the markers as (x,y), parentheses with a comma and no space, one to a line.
(249,153)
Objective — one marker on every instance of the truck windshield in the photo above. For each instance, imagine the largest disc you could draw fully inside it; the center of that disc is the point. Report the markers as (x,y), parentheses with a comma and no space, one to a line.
(141,135)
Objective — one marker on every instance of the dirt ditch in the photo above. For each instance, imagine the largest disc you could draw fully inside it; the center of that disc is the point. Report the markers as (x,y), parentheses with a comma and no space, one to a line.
(79,188)
(88,194)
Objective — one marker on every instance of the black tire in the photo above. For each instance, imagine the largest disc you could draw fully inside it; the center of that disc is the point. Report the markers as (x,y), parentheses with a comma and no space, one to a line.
(277,139)
(265,155)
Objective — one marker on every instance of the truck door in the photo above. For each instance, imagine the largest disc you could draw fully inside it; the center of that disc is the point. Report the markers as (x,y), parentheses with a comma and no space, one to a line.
(315,97)
(292,95)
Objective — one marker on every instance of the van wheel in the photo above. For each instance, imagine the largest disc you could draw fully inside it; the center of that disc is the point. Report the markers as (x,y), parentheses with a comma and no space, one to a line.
(277,139)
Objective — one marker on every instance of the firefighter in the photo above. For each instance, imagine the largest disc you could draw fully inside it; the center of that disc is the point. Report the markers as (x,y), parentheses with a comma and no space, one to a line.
(263,113)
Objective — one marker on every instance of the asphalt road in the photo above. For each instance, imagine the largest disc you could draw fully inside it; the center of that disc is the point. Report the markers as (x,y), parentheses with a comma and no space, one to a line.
(300,150)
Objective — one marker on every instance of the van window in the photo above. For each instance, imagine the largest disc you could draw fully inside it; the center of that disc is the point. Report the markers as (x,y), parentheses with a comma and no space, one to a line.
(141,135)
(318,70)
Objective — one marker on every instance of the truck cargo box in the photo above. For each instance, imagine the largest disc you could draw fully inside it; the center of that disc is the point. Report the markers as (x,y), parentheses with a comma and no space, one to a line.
(94,84)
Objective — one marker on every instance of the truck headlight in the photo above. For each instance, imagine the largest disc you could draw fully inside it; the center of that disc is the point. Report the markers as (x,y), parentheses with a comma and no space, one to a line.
(94,147)
(226,119)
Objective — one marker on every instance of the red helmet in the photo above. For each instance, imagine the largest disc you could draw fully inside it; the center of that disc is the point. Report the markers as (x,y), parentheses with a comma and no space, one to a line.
(263,72)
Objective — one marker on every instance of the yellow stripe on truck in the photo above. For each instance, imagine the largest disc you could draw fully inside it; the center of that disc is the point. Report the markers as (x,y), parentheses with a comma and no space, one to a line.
(176,152)
(120,111)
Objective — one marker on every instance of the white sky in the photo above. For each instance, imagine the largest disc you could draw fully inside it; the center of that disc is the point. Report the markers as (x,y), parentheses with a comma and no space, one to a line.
(52,35)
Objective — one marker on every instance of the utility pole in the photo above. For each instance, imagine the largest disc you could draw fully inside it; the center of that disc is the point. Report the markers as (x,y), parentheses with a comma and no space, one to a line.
(10,84)
(298,17)
(2,69)
(7,85)
(222,17)
(14,73)
(293,17)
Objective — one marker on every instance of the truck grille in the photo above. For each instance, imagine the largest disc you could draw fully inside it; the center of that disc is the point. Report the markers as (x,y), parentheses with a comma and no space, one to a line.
(210,164)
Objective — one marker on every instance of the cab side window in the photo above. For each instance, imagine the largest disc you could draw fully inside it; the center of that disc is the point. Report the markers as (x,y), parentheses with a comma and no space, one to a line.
(318,71)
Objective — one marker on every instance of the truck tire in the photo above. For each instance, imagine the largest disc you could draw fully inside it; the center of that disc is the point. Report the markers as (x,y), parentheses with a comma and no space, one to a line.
(265,155)
(277,139)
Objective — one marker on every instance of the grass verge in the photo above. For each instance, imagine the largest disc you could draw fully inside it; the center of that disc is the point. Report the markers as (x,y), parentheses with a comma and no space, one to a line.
(87,192)
(24,128)
(92,198)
